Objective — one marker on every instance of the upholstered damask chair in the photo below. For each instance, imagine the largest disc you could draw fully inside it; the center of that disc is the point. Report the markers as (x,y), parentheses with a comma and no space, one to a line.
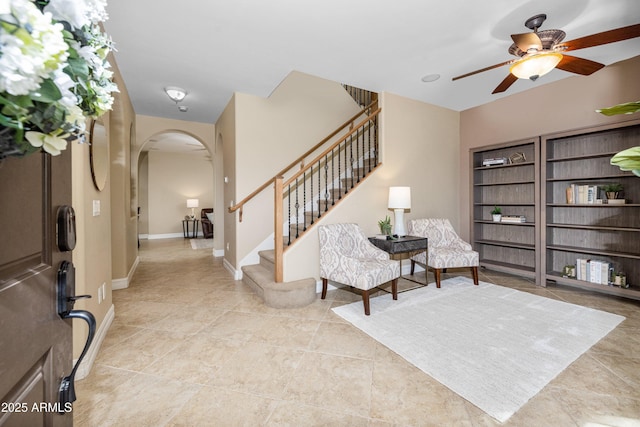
(446,248)
(347,257)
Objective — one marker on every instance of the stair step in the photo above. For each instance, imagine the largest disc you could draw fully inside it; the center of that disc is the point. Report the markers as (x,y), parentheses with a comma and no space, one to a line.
(267,260)
(295,294)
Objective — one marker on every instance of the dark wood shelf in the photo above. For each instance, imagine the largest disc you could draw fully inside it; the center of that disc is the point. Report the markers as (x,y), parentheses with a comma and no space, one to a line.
(504,204)
(506,244)
(633,292)
(593,227)
(590,178)
(591,205)
(504,183)
(593,251)
(508,268)
(509,165)
(608,154)
(487,221)
(510,247)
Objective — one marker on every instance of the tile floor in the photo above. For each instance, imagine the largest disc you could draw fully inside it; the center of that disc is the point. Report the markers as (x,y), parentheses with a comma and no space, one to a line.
(190,346)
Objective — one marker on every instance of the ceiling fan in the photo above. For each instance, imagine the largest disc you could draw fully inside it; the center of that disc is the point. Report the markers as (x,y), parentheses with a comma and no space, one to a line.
(539,52)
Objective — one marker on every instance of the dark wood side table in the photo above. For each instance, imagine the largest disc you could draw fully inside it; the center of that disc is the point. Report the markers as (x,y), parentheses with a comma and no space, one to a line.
(403,247)
(185,228)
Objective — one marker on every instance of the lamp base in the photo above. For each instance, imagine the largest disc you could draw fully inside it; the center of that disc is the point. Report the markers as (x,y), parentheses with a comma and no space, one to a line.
(398,226)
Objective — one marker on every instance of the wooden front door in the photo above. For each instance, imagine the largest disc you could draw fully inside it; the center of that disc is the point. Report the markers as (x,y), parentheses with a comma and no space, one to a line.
(35,343)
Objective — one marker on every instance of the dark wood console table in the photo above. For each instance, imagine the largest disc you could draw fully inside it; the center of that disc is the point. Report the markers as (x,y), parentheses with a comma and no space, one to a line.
(403,247)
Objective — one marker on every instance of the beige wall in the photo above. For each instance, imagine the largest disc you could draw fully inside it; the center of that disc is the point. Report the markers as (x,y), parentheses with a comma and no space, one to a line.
(419,149)
(559,106)
(172,179)
(92,254)
(225,139)
(99,237)
(268,134)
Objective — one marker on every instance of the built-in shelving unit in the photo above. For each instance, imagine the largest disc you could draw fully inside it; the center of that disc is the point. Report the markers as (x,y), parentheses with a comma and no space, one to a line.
(596,231)
(560,229)
(514,187)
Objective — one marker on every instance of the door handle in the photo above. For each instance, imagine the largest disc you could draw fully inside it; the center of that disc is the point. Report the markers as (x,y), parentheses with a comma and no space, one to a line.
(66,288)
(67,392)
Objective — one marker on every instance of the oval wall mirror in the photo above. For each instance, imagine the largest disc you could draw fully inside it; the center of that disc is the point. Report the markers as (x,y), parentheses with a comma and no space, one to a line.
(99,154)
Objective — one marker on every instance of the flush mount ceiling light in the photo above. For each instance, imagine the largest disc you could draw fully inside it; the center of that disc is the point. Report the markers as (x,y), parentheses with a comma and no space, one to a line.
(532,66)
(430,78)
(176,94)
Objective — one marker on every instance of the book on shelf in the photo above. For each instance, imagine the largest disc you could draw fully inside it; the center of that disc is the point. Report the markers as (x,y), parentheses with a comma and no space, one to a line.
(582,194)
(514,218)
(616,201)
(495,161)
(593,271)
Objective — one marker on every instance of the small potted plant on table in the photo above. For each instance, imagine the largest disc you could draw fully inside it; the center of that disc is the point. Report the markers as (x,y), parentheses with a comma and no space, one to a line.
(385,227)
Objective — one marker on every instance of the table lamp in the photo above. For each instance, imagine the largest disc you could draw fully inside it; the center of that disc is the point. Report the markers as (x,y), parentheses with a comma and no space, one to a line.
(193,203)
(399,200)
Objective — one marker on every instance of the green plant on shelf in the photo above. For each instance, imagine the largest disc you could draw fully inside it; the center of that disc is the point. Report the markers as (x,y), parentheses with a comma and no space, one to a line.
(496,210)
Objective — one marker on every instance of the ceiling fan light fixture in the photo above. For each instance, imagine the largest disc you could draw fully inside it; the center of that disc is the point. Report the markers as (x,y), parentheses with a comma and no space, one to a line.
(532,66)
(176,94)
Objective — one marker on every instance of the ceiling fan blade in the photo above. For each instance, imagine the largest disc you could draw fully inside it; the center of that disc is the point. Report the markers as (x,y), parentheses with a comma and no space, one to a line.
(505,84)
(577,65)
(527,41)
(604,37)
(511,61)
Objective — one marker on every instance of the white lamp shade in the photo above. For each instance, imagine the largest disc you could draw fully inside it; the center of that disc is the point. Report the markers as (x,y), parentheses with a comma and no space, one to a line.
(536,65)
(193,203)
(399,198)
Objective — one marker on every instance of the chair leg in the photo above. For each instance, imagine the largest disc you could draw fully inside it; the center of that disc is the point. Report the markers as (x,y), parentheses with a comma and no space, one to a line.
(324,288)
(413,266)
(365,301)
(436,273)
(394,288)
(474,273)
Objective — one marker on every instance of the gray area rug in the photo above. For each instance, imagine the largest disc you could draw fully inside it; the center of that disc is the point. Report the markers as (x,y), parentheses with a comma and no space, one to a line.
(494,346)
(201,243)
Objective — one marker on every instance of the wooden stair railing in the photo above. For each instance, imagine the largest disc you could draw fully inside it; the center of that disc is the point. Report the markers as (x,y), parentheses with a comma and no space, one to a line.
(370,112)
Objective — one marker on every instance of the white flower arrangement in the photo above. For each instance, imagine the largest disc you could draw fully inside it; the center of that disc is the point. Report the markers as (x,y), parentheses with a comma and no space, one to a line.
(54,73)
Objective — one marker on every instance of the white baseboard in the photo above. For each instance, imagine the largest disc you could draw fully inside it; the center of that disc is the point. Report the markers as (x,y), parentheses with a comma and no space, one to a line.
(87,363)
(236,274)
(164,236)
(124,282)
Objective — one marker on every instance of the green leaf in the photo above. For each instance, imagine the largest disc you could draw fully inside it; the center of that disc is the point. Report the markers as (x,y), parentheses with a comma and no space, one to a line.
(628,160)
(628,108)
(48,92)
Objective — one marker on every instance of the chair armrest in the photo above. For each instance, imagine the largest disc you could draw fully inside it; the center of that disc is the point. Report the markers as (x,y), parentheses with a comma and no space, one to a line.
(369,250)
(461,244)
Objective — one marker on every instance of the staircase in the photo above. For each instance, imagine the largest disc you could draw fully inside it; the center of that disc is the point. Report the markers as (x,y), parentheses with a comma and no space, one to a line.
(303,197)
(260,277)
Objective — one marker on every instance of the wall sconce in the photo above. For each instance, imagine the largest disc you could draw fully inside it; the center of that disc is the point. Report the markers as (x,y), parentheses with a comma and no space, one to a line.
(399,200)
(193,203)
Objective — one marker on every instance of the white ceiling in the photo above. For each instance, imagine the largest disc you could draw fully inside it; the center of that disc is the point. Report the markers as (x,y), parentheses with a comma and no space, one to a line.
(213,48)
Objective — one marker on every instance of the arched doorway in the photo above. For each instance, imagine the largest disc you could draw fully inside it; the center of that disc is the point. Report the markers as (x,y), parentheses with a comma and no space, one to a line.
(173,167)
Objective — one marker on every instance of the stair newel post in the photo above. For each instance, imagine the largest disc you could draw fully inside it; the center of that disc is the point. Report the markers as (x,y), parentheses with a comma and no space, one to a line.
(277,226)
